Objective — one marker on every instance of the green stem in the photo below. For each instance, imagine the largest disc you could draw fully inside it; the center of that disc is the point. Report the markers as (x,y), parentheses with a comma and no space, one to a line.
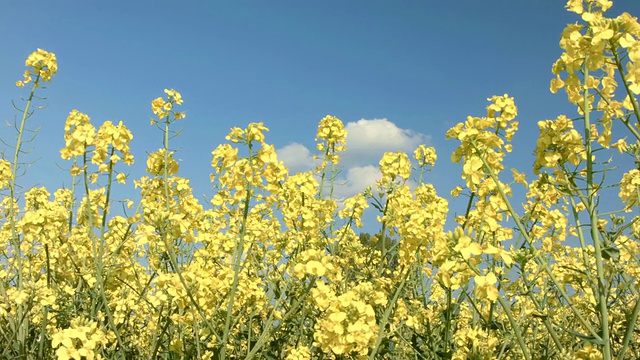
(623,77)
(545,265)
(516,327)
(383,231)
(324,174)
(631,327)
(165,174)
(583,245)
(469,204)
(23,328)
(270,320)
(593,218)
(447,321)
(97,246)
(385,317)
(236,261)
(173,257)
(107,196)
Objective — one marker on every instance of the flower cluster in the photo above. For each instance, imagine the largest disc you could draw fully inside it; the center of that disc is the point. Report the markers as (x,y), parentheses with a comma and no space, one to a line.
(272,267)
(558,144)
(162,108)
(348,324)
(331,137)
(110,143)
(80,340)
(484,141)
(42,64)
(630,189)
(425,156)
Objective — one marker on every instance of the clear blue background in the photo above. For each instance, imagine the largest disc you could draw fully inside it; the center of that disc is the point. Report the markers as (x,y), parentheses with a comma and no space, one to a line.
(421,65)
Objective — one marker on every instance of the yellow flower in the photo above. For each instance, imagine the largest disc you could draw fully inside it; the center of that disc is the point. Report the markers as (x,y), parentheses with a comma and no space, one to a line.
(519,177)
(155,163)
(331,129)
(5,173)
(315,268)
(299,353)
(157,106)
(485,287)
(43,64)
(620,145)
(499,253)
(79,134)
(467,247)
(255,132)
(558,143)
(331,137)
(393,166)
(425,155)
(347,327)
(163,108)
(61,338)
(588,352)
(556,84)
(630,188)
(174,96)
(472,171)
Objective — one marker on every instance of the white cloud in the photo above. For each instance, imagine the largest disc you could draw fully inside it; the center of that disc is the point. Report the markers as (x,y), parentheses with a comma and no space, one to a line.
(367,141)
(356,179)
(296,157)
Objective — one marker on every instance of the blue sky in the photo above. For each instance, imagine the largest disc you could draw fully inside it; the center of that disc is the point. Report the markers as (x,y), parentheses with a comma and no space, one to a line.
(398,73)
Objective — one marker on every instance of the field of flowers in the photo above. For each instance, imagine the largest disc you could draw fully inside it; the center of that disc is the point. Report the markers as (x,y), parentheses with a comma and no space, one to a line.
(274,267)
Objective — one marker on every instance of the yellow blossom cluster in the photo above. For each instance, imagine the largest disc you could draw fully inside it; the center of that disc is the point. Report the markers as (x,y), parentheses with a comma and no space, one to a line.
(79,341)
(348,324)
(331,137)
(314,263)
(5,173)
(558,143)
(110,144)
(41,64)
(425,156)
(484,141)
(163,108)
(272,265)
(630,189)
(394,166)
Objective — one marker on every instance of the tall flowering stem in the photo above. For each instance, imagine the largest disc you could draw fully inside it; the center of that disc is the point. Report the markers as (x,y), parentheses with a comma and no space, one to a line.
(41,67)
(331,137)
